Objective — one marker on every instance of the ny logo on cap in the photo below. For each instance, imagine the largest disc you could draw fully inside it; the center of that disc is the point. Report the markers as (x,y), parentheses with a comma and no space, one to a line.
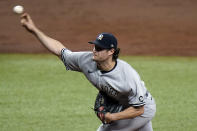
(100,37)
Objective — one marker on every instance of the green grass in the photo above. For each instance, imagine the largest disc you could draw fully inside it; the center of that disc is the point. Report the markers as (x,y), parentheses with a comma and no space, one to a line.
(37,93)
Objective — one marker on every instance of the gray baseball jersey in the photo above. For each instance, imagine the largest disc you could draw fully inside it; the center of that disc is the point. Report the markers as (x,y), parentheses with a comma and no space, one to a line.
(122,83)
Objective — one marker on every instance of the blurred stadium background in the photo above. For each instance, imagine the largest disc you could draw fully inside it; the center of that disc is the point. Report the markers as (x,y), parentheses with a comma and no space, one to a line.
(143,27)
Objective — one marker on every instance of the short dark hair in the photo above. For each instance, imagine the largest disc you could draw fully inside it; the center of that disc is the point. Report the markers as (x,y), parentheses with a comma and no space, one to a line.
(116,54)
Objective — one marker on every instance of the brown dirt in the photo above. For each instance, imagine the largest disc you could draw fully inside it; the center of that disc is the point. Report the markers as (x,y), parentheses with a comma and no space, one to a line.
(143,27)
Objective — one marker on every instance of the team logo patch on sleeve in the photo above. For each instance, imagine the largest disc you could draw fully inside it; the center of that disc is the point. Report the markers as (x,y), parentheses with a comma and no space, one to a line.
(141,99)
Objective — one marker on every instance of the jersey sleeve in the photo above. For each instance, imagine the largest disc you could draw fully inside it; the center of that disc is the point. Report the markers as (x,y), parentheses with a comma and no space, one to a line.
(138,91)
(72,60)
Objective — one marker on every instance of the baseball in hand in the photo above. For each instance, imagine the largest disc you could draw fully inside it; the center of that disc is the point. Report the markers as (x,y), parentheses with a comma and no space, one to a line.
(18,9)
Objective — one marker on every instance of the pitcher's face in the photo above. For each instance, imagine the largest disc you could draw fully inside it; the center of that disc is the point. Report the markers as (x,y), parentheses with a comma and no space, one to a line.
(101,54)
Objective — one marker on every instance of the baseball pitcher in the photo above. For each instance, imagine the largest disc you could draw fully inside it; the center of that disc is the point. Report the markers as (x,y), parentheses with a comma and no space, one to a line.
(123,102)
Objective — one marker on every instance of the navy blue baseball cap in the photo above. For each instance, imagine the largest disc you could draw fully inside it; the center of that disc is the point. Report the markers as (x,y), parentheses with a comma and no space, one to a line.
(106,41)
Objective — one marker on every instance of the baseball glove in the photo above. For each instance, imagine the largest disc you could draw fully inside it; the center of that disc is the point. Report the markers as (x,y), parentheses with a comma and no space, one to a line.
(104,104)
